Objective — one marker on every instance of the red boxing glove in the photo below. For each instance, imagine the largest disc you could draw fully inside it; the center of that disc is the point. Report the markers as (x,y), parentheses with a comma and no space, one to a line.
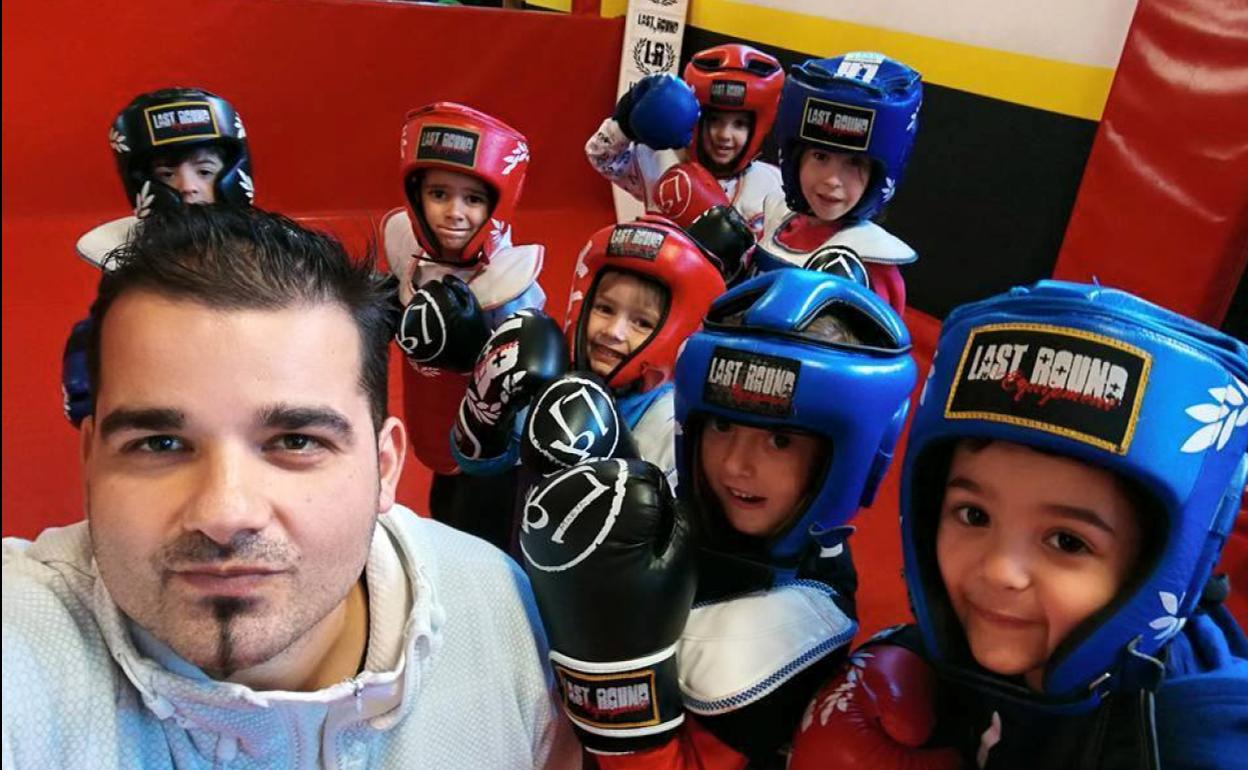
(876,713)
(685,191)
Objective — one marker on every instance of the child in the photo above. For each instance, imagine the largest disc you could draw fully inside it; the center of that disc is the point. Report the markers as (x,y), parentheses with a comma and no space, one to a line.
(638,291)
(775,456)
(844,128)
(737,88)
(172,146)
(459,277)
(1073,470)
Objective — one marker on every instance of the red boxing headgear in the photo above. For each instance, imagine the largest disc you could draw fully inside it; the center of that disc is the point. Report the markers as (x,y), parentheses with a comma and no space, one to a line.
(736,78)
(452,137)
(654,248)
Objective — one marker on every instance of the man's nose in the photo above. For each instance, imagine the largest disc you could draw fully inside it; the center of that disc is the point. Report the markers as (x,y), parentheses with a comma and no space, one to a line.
(224,499)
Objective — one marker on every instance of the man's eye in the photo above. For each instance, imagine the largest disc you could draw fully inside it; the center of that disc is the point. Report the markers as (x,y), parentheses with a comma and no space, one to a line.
(155,445)
(297,442)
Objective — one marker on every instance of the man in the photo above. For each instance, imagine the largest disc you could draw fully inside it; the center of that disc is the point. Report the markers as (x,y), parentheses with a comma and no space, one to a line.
(244,592)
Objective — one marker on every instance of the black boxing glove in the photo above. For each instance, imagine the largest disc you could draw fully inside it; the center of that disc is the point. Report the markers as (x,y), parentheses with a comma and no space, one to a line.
(443,326)
(526,351)
(572,421)
(607,550)
(723,234)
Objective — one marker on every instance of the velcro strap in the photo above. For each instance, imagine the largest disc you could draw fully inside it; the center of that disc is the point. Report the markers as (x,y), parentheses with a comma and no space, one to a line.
(621,699)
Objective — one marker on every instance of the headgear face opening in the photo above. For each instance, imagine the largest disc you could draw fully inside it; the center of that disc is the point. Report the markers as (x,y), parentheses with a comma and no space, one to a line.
(735,78)
(452,137)
(177,120)
(1103,377)
(654,248)
(861,102)
(757,363)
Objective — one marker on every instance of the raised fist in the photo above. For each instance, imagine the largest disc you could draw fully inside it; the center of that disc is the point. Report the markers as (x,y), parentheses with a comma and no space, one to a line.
(659,111)
(607,550)
(526,352)
(443,326)
(574,420)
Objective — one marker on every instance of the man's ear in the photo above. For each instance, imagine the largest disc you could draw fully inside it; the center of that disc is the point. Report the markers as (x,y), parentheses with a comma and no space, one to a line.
(391,453)
(86,433)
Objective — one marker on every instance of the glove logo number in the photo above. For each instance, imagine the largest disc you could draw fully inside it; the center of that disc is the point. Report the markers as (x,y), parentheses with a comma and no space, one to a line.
(596,501)
(579,444)
(421,337)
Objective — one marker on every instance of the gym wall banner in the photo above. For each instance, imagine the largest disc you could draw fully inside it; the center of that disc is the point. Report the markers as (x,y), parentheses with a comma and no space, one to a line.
(653,32)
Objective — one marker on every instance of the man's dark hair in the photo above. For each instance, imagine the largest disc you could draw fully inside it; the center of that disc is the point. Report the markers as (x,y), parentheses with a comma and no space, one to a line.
(243,258)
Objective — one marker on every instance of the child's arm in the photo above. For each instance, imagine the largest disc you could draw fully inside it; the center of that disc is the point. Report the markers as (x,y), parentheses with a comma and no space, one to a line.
(658,113)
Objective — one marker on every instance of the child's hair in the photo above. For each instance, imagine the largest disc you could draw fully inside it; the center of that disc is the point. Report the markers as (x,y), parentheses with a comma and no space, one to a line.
(177,155)
(653,290)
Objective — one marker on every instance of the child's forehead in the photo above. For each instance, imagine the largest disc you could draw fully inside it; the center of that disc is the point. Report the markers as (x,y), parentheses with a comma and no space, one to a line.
(613,279)
(447,178)
(189,154)
(1009,470)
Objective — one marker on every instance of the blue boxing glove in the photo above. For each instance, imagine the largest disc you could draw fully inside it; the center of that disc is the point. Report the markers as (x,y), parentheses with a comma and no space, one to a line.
(659,111)
(75,378)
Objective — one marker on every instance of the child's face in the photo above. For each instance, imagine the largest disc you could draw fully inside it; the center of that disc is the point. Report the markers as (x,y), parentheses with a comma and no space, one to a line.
(833,182)
(624,312)
(191,176)
(758,476)
(724,135)
(1029,545)
(455,206)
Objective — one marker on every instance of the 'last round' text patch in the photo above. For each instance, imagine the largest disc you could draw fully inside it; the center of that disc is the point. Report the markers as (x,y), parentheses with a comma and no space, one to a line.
(1063,381)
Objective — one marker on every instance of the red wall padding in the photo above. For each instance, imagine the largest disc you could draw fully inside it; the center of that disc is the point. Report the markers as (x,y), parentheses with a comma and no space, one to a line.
(1163,207)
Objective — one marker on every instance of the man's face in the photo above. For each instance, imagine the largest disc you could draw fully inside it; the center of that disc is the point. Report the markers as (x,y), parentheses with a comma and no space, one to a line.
(233,477)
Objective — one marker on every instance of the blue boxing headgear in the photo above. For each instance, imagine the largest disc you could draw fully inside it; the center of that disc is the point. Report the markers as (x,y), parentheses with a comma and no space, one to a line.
(859,102)
(1103,377)
(175,119)
(758,362)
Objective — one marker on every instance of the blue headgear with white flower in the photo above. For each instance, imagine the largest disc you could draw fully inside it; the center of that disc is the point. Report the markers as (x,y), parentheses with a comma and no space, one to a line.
(859,102)
(1101,376)
(174,119)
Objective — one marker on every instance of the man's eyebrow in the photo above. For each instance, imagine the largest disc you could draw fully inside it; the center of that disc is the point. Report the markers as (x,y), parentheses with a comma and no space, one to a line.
(154,419)
(296,418)
(1078,513)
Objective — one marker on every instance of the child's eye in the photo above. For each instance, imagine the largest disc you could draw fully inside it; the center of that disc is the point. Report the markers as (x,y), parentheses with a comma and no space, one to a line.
(604,308)
(645,324)
(781,440)
(971,516)
(1068,543)
(437,195)
(820,156)
(476,200)
(207,173)
(720,425)
(164,174)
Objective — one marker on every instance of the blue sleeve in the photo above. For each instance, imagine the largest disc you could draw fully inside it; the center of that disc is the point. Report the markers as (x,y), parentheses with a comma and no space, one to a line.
(1202,706)
(491,466)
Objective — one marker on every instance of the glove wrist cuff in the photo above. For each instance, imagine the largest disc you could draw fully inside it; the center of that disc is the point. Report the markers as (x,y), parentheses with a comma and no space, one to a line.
(621,706)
